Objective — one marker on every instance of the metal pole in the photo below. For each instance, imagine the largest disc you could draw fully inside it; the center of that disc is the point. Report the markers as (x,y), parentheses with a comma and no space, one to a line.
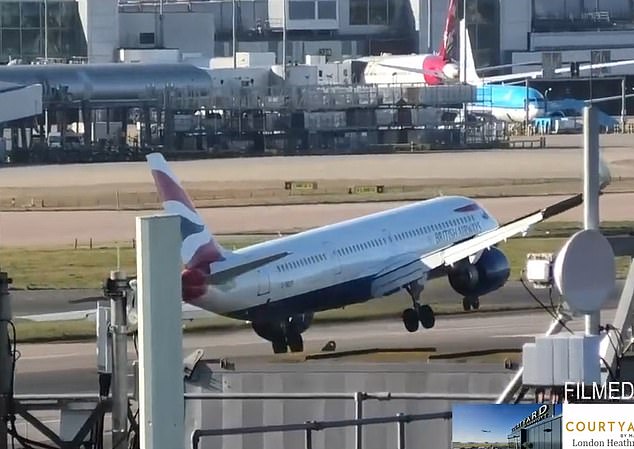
(233,33)
(401,431)
(358,414)
(463,64)
(309,439)
(46,30)
(591,191)
(161,389)
(161,38)
(6,358)
(623,112)
(284,39)
(116,286)
(429,26)
(515,383)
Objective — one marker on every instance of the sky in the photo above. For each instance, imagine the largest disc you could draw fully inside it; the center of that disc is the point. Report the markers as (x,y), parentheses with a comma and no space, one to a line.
(469,421)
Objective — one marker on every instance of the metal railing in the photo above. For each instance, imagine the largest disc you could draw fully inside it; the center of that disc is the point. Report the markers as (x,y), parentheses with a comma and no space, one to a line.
(359,421)
(310,426)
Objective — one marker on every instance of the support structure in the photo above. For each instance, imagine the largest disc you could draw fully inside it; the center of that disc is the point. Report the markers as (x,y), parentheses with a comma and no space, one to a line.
(591,185)
(161,389)
(6,355)
(116,287)
(516,382)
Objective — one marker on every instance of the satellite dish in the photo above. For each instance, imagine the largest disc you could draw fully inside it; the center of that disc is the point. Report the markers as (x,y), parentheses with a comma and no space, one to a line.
(584,271)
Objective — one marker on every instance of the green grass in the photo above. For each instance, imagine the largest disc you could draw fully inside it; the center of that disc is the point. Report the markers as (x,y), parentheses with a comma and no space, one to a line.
(67,267)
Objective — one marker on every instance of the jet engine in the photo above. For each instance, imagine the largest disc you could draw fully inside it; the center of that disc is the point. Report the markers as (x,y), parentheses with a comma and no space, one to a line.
(488,274)
(451,70)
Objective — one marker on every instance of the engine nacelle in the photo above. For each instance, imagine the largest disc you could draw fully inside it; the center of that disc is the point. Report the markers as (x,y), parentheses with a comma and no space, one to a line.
(451,70)
(271,330)
(488,274)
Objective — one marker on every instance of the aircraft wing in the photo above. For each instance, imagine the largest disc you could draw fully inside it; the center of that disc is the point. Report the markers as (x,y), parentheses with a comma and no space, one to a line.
(462,250)
(401,272)
(190,312)
(223,276)
(539,73)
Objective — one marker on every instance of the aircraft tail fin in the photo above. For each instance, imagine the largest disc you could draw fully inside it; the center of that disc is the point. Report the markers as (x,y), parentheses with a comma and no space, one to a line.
(471,75)
(199,247)
(448,45)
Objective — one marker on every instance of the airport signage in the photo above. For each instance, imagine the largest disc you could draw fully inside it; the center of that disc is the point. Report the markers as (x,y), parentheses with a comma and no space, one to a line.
(543,412)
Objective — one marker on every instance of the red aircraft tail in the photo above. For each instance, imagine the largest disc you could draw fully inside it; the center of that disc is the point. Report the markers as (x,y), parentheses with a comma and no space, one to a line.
(448,44)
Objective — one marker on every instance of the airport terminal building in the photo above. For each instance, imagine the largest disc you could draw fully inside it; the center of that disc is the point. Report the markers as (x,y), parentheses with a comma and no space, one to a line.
(502,32)
(540,430)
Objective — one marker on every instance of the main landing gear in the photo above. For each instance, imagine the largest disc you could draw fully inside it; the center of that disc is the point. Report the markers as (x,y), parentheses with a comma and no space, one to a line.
(470,302)
(419,313)
(291,339)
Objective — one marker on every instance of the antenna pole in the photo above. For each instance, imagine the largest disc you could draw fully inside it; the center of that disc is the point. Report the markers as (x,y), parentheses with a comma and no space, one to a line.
(591,191)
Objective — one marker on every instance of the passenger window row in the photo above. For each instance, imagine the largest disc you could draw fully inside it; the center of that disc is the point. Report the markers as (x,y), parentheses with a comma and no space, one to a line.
(303,262)
(375,243)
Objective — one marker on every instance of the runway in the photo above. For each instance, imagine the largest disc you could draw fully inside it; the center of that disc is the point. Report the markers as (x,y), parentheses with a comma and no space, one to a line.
(512,295)
(70,367)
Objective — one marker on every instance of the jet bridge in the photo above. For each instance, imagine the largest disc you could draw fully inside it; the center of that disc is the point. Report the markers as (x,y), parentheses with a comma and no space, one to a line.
(19,101)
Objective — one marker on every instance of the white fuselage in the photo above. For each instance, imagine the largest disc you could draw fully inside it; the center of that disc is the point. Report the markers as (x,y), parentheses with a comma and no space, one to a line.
(332,266)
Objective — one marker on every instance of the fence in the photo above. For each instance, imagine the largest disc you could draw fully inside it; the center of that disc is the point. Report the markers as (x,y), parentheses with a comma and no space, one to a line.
(358,421)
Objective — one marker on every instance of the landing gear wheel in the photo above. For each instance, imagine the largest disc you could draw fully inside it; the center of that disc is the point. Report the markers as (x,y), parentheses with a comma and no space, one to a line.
(426,316)
(295,342)
(469,303)
(410,320)
(279,345)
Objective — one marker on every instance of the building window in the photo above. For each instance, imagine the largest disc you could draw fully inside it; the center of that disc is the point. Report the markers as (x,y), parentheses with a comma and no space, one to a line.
(372,12)
(358,12)
(30,15)
(301,10)
(378,12)
(327,10)
(10,15)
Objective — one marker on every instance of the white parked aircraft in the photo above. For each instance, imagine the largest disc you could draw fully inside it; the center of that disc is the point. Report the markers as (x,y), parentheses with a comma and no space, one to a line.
(278,285)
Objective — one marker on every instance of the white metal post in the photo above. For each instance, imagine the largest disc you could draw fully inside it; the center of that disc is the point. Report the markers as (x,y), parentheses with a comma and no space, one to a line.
(233,35)
(591,191)
(161,389)
(284,39)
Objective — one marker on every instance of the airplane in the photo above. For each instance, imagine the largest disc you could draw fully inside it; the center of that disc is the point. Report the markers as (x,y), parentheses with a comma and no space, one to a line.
(278,285)
(436,68)
(443,67)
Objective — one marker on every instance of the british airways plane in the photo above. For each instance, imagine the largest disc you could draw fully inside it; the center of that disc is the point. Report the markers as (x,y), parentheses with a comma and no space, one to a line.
(278,285)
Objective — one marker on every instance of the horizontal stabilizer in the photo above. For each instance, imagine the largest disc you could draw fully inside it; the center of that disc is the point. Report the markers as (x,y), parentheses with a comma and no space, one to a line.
(223,276)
